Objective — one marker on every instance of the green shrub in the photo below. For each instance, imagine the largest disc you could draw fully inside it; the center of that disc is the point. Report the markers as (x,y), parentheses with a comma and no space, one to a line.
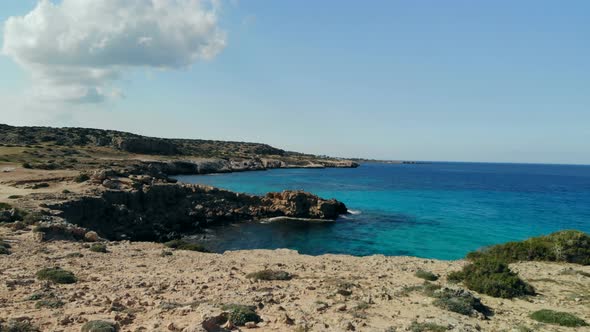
(165,253)
(4,248)
(26,165)
(99,326)
(18,326)
(15,196)
(494,278)
(558,318)
(5,206)
(74,255)
(49,303)
(426,275)
(564,246)
(269,275)
(83,177)
(427,327)
(241,314)
(57,275)
(99,247)
(183,245)
(459,301)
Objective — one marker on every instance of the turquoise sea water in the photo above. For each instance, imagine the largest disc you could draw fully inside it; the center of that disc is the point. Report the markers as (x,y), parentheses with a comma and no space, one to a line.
(435,210)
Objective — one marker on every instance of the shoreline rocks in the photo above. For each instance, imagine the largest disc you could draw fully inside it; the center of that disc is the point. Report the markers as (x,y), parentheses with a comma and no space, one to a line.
(163,211)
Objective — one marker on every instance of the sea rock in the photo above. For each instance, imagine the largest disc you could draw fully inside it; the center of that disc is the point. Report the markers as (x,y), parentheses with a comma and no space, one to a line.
(165,211)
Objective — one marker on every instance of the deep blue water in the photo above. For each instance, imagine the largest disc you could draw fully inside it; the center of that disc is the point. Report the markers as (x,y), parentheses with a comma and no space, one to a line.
(436,210)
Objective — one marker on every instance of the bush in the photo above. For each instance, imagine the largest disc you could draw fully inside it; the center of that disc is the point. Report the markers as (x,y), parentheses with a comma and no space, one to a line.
(15,196)
(269,275)
(558,318)
(18,326)
(74,255)
(4,248)
(99,247)
(26,165)
(427,327)
(241,314)
(49,303)
(57,275)
(564,246)
(459,301)
(183,245)
(99,326)
(426,275)
(494,278)
(83,177)
(5,206)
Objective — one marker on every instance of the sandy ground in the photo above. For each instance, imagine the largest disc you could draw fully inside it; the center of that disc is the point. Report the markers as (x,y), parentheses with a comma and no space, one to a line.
(145,291)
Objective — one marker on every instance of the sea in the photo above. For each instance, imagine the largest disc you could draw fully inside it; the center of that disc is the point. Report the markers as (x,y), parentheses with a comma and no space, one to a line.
(432,210)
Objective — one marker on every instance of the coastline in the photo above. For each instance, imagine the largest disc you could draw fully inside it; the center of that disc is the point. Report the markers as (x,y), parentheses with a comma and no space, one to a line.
(55,209)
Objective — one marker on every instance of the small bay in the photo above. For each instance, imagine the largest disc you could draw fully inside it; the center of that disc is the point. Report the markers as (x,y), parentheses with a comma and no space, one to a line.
(430,210)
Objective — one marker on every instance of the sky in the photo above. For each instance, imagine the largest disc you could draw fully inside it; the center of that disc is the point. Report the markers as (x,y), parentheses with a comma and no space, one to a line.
(490,81)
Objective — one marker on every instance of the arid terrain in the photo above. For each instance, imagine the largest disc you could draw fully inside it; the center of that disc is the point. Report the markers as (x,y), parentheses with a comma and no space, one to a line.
(142,289)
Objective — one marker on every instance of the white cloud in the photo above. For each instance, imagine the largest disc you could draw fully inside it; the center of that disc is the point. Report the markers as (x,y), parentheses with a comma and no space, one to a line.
(75,49)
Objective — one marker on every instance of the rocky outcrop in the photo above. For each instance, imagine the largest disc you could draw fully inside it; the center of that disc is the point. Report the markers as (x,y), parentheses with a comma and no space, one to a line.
(162,211)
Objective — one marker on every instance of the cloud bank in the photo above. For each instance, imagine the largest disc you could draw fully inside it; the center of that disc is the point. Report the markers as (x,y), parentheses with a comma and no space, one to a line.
(75,49)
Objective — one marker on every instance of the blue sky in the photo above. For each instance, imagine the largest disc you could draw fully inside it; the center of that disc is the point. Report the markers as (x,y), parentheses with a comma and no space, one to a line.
(492,81)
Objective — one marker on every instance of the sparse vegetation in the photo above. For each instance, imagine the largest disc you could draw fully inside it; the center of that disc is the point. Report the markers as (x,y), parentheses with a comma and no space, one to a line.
(99,247)
(57,275)
(82,177)
(426,275)
(558,318)
(15,196)
(18,326)
(5,206)
(427,327)
(492,277)
(459,301)
(269,275)
(241,314)
(564,246)
(4,248)
(99,326)
(74,255)
(183,245)
(52,303)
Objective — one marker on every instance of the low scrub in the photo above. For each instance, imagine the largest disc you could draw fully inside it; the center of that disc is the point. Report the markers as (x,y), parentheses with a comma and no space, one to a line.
(241,314)
(99,326)
(270,275)
(4,248)
(49,303)
(426,275)
(558,318)
(183,245)
(427,327)
(564,246)
(492,277)
(56,275)
(83,177)
(18,326)
(459,301)
(99,247)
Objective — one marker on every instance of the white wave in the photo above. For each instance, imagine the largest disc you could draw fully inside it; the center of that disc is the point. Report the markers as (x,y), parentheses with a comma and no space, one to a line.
(355,212)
